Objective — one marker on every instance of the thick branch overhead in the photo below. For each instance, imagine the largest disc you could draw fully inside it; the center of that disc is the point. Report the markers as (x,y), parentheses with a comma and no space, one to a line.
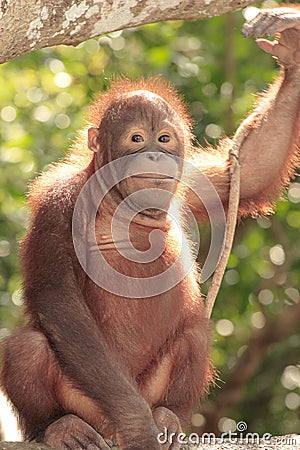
(27,25)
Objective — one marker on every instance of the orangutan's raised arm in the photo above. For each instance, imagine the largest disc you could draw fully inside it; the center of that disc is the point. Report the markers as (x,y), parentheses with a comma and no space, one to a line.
(270,152)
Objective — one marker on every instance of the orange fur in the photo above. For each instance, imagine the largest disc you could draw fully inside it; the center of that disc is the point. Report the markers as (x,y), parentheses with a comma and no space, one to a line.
(124,357)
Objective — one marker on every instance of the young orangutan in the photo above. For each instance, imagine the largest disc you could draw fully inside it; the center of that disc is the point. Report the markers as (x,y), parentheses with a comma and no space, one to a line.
(91,364)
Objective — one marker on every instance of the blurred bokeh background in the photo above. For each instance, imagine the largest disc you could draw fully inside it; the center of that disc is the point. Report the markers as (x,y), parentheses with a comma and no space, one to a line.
(43,101)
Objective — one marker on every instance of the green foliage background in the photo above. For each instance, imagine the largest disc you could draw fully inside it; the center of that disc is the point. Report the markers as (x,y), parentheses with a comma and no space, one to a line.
(43,101)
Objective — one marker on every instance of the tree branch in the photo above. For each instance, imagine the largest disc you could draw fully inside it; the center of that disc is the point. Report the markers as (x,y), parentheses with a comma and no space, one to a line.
(27,25)
(289,442)
(274,331)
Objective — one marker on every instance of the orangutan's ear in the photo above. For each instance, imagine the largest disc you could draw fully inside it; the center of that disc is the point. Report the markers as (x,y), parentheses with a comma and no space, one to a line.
(93,139)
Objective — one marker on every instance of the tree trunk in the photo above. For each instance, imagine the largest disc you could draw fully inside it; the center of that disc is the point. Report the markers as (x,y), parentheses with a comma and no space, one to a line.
(289,442)
(28,25)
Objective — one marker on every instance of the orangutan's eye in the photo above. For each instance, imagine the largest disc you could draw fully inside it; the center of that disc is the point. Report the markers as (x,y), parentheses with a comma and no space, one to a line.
(164,138)
(137,138)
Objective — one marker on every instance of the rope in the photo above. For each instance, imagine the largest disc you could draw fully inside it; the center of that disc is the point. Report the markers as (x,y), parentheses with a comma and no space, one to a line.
(233,206)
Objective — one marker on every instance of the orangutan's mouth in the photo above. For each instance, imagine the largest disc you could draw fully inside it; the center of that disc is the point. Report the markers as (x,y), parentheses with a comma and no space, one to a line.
(154,176)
